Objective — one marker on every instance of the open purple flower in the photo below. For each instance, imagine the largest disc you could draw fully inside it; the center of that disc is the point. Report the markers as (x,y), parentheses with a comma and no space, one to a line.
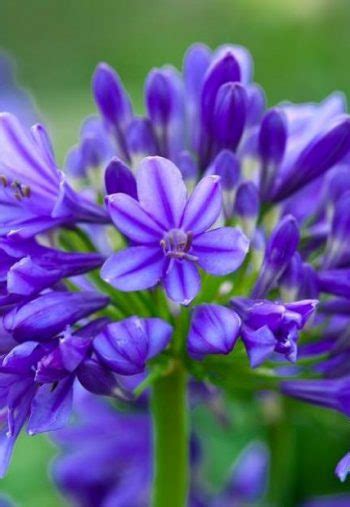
(170,233)
(34,193)
(272,327)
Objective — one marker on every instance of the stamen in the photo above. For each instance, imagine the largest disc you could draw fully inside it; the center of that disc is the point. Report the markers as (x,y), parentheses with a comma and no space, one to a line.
(3,180)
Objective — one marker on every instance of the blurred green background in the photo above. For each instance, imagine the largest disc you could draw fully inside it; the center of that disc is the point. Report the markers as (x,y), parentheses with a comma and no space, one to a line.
(301,50)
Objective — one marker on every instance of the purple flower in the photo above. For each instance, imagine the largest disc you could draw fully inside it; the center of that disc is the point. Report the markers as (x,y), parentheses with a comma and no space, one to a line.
(34,194)
(125,346)
(170,233)
(331,393)
(270,327)
(249,478)
(117,447)
(27,268)
(50,313)
(36,383)
(214,330)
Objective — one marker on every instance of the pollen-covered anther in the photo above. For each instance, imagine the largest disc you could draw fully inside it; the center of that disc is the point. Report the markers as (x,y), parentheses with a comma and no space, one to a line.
(20,191)
(3,180)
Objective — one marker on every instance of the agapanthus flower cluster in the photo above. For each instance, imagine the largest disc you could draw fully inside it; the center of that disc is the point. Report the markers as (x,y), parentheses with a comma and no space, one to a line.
(207,225)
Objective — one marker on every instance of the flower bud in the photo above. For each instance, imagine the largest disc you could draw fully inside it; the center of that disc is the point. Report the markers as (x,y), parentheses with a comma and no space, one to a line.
(119,179)
(322,153)
(110,96)
(214,330)
(271,145)
(229,115)
(126,346)
(51,313)
(224,69)
(280,249)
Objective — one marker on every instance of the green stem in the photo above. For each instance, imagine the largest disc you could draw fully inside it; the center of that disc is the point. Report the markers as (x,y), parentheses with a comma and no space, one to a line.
(171,439)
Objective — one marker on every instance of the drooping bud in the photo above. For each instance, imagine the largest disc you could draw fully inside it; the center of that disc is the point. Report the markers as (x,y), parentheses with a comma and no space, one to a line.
(214,330)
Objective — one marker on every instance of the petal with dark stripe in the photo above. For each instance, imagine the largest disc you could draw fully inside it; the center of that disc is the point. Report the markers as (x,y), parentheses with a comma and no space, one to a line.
(129,217)
(220,251)
(182,282)
(161,190)
(135,268)
(204,205)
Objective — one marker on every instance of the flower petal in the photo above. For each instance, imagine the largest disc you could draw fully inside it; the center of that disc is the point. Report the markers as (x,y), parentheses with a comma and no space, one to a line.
(220,251)
(182,282)
(135,268)
(204,205)
(129,217)
(259,344)
(161,190)
(51,408)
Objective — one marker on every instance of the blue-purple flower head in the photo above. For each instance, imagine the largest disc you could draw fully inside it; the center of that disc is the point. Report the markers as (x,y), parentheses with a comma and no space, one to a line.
(210,199)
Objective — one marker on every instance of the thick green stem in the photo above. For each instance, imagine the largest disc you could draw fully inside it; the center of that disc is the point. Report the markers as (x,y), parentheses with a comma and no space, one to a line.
(171,439)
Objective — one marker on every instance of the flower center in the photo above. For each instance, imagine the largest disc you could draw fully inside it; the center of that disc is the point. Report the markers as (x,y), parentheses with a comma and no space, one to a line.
(176,244)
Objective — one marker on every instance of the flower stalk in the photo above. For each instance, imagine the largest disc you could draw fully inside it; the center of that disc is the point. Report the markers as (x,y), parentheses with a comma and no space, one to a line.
(171,439)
